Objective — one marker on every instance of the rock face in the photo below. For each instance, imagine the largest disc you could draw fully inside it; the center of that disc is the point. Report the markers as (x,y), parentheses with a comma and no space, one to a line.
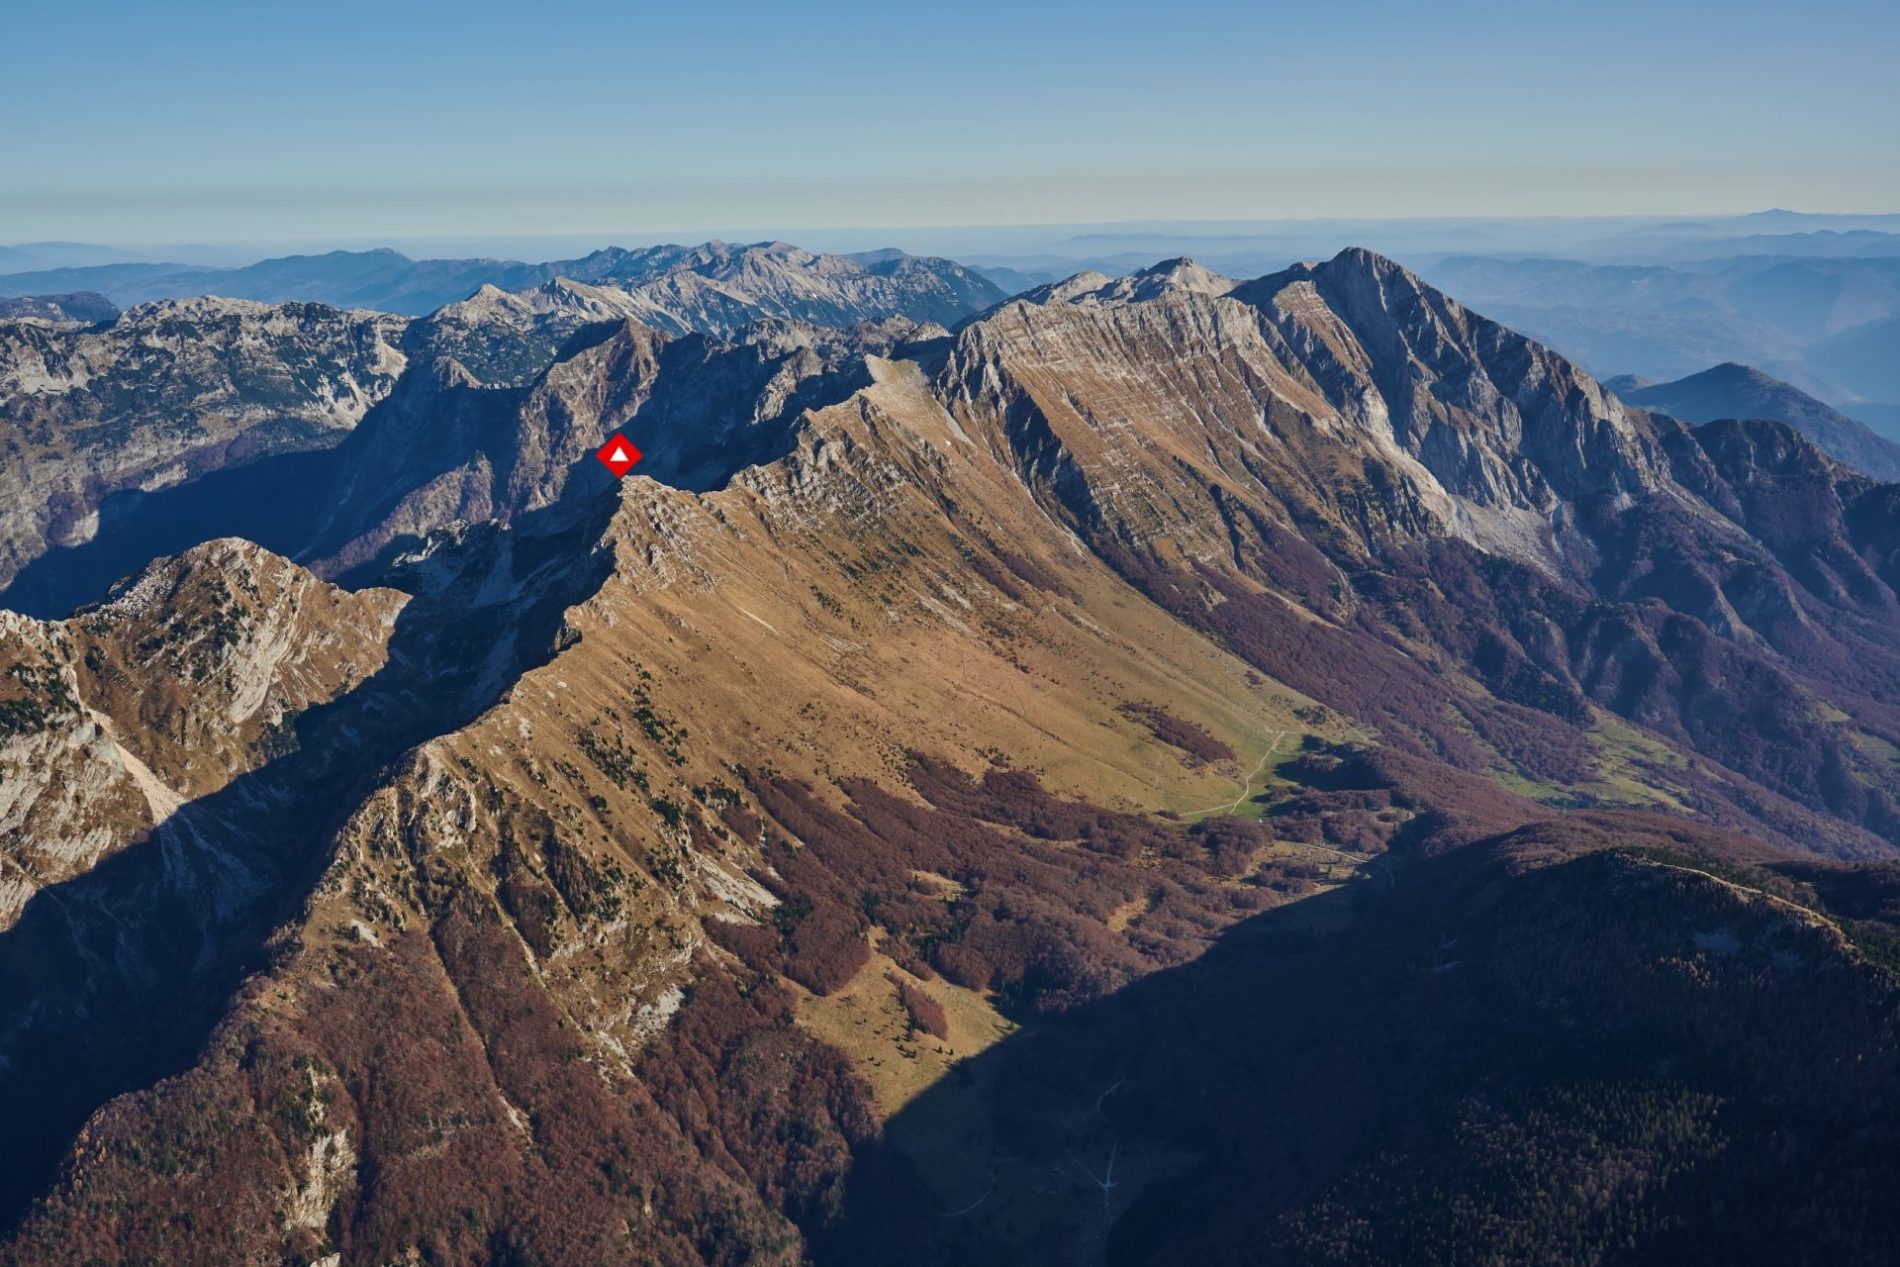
(70,794)
(1347,391)
(1497,419)
(1740,391)
(193,675)
(448,451)
(165,393)
(1241,682)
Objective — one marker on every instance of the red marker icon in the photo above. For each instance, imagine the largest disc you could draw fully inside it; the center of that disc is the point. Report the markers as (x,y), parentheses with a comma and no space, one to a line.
(618,455)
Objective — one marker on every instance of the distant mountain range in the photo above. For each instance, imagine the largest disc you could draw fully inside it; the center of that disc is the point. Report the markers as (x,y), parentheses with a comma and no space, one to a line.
(1864,360)
(1600,239)
(1813,300)
(1164,768)
(1740,391)
(763,279)
(1828,325)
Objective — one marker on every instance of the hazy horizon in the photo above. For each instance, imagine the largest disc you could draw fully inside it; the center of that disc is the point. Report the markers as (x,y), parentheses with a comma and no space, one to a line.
(1614,234)
(211,122)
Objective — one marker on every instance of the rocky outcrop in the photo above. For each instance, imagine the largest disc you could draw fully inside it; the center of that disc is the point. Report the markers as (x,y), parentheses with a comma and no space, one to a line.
(70,792)
(166,393)
(80,308)
(193,675)
(207,660)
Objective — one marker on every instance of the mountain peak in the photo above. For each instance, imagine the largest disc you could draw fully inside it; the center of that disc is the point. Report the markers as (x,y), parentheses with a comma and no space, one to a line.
(1734,371)
(1496,417)
(1175,276)
(1355,270)
(1735,390)
(81,307)
(1359,259)
(1181,273)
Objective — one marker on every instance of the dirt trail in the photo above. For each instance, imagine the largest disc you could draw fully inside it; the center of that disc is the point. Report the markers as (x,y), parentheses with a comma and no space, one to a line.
(1246,784)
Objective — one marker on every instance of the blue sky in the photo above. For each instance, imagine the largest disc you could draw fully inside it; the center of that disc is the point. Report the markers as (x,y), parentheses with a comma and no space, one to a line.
(226,122)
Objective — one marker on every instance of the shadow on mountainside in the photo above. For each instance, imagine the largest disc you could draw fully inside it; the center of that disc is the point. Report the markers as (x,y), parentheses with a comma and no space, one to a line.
(272,502)
(328,509)
(287,502)
(1605,1059)
(113,979)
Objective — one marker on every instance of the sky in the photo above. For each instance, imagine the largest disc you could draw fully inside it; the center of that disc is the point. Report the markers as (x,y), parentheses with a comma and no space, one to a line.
(213,122)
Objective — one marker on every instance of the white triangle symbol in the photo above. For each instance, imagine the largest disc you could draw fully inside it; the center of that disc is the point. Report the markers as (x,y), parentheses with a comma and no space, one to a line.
(619,455)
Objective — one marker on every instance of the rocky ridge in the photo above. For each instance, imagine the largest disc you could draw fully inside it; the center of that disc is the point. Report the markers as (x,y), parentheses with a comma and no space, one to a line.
(905,699)
(177,389)
(193,675)
(706,287)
